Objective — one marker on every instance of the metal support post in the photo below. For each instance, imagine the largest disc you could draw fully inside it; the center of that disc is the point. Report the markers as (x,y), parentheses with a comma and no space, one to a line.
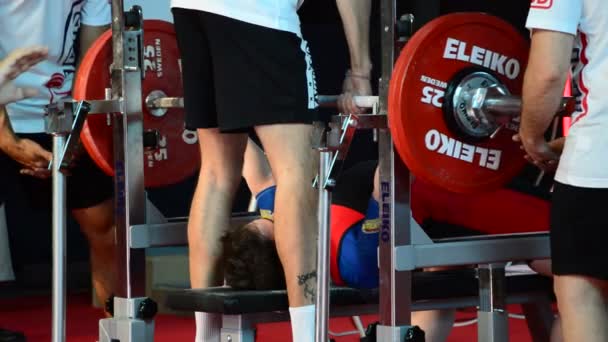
(133,313)
(128,160)
(395,286)
(323,277)
(59,119)
(493,319)
(237,328)
(59,248)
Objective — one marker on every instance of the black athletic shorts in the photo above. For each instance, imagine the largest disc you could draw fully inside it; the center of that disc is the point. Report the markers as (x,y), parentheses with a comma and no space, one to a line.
(238,75)
(87,185)
(579,231)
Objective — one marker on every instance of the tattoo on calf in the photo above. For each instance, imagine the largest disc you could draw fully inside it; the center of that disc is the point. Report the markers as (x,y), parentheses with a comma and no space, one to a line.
(309,281)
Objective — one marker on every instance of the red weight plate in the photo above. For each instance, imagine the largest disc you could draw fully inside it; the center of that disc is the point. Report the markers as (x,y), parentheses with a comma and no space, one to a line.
(432,57)
(177,156)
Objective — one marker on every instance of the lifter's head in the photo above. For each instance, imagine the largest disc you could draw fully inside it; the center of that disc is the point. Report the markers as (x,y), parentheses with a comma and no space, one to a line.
(252,261)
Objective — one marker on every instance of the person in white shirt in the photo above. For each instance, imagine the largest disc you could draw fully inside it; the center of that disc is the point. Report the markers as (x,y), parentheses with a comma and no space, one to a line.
(570,36)
(66,28)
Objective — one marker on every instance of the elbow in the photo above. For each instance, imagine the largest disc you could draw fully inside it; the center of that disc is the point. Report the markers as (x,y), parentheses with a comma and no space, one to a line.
(545,80)
(548,75)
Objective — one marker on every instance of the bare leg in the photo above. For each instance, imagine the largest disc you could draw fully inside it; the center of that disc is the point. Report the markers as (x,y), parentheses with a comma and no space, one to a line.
(583,307)
(293,163)
(543,267)
(256,171)
(219,178)
(97,224)
(556,330)
(436,324)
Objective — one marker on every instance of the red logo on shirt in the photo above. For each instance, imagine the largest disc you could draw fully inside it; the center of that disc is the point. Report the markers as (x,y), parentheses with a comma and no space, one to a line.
(542,4)
(54,86)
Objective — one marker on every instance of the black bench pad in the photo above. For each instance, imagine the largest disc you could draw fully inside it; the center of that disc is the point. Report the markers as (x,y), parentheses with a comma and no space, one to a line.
(426,286)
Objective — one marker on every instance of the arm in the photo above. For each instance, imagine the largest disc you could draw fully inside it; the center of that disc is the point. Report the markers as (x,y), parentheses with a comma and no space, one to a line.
(96,19)
(7,135)
(256,170)
(355,19)
(544,81)
(13,65)
(87,36)
(26,152)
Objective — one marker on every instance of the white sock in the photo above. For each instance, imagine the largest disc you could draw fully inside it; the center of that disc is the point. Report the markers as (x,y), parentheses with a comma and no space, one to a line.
(208,327)
(303,323)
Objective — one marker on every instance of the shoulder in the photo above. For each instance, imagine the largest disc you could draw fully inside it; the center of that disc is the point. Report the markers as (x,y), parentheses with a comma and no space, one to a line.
(555,15)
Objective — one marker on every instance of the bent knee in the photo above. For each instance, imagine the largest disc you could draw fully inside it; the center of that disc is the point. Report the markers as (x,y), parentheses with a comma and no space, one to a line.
(96,222)
(574,288)
(220,179)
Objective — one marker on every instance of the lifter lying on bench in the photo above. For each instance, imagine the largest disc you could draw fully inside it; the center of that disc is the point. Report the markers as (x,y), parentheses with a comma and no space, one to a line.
(252,261)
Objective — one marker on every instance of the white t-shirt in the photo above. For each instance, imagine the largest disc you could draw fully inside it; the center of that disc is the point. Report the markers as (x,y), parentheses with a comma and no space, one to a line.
(275,14)
(51,23)
(584,162)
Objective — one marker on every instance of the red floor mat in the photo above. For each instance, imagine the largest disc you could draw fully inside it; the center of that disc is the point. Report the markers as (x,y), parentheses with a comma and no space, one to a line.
(32,315)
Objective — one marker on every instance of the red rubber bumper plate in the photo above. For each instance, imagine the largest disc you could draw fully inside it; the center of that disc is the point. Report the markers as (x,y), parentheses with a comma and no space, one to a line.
(177,154)
(432,57)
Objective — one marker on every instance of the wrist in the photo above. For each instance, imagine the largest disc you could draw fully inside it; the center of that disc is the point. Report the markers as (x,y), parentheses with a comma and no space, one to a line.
(7,137)
(7,141)
(528,134)
(531,140)
(362,69)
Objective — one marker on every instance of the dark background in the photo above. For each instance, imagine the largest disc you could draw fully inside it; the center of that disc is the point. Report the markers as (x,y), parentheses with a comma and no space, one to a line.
(30,230)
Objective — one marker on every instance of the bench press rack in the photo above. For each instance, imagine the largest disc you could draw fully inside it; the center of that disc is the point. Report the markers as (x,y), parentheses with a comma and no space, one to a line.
(400,254)
(401,250)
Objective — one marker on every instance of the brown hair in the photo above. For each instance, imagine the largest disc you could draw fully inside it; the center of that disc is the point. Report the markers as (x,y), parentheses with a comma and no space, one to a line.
(252,261)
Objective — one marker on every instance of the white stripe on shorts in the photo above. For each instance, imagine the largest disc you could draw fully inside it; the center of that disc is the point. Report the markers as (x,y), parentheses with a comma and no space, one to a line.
(311,81)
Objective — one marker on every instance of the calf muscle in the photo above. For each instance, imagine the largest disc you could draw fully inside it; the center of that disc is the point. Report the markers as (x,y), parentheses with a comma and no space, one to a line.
(293,164)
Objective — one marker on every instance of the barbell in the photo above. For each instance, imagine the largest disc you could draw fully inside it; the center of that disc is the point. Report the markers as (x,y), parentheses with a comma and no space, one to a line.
(454,103)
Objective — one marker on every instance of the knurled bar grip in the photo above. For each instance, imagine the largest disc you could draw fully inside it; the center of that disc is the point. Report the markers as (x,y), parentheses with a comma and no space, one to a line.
(512,105)
(324,101)
(360,101)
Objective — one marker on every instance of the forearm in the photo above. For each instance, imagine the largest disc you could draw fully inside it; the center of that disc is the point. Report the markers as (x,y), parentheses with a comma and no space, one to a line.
(540,103)
(544,82)
(87,36)
(7,135)
(256,170)
(356,21)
